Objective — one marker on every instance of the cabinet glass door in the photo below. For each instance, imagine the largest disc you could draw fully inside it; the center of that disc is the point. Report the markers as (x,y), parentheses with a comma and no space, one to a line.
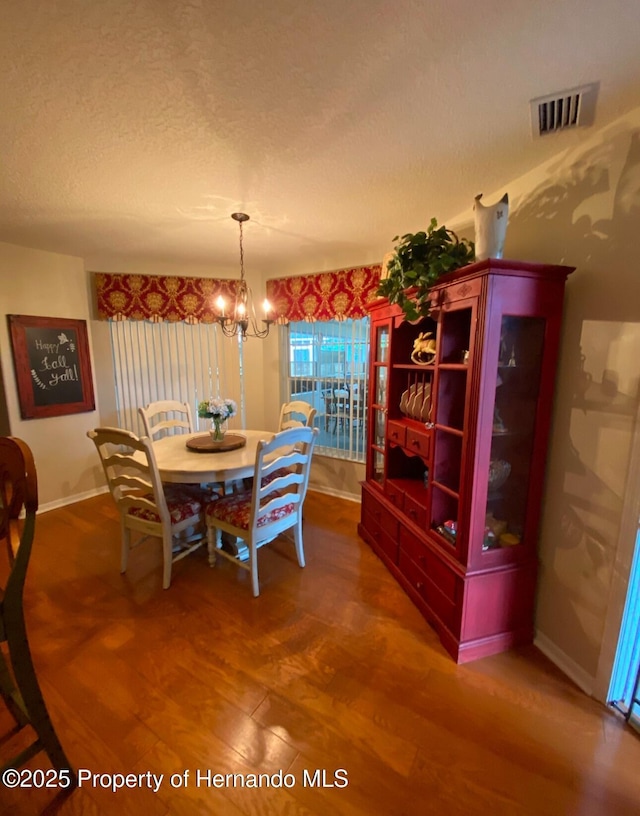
(515,402)
(379,401)
(451,380)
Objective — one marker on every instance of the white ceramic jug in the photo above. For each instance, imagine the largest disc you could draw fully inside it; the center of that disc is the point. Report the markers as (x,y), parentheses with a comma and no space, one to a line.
(491,227)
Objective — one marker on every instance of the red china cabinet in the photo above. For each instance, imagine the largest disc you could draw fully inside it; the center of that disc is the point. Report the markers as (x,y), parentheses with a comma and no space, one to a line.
(457,449)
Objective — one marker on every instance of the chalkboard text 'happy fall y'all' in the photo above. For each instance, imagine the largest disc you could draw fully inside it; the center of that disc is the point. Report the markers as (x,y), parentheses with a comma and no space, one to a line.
(53,367)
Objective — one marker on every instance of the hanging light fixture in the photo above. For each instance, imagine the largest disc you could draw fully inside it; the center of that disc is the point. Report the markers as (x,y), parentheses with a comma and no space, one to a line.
(241,318)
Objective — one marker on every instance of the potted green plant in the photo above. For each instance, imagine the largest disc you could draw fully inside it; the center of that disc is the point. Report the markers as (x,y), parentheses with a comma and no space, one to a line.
(418,261)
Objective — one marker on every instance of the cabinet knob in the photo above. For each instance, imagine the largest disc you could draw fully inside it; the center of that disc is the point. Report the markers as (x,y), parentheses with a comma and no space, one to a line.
(420,585)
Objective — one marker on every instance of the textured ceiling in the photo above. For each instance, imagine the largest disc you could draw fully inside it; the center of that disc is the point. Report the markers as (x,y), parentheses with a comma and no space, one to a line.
(130,130)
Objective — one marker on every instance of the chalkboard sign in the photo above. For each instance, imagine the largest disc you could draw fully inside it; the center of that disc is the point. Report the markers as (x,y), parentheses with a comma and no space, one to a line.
(53,370)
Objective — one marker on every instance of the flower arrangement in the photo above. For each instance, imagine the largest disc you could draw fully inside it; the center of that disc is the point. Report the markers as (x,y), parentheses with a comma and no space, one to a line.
(218,410)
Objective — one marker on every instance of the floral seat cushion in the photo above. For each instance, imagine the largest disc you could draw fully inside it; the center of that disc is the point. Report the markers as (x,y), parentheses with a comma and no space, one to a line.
(235,510)
(183,502)
(277,474)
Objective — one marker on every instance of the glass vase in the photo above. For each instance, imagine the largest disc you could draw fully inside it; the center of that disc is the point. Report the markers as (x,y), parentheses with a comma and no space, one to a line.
(218,427)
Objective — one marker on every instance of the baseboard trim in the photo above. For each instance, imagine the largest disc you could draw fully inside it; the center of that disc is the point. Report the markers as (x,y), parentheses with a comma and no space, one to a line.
(54,505)
(339,494)
(574,672)
(97,491)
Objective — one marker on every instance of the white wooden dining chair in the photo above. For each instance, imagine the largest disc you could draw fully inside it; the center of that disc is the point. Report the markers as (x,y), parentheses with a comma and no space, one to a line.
(173,513)
(296,414)
(166,416)
(273,506)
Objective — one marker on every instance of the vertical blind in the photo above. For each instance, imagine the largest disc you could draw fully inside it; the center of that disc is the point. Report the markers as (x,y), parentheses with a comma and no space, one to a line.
(173,360)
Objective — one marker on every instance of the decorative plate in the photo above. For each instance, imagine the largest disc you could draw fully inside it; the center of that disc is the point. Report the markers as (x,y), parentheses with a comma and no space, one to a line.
(426,403)
(499,471)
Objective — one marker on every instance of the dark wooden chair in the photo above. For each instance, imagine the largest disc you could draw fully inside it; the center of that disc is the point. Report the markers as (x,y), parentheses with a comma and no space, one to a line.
(329,406)
(342,408)
(19,685)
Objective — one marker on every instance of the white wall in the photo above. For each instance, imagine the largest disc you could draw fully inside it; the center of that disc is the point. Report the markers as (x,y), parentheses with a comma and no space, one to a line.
(47,285)
(583,209)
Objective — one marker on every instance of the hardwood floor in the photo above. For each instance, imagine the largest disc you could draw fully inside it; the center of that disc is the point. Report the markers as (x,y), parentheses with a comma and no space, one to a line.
(330,668)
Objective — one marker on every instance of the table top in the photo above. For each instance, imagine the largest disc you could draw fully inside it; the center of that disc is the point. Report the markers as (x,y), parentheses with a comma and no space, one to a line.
(177,463)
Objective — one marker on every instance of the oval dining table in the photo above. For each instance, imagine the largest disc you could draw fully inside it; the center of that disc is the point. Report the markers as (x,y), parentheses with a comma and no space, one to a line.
(177,463)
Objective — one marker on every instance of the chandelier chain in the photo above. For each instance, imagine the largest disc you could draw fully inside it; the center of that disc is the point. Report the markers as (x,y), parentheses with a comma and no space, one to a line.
(241,254)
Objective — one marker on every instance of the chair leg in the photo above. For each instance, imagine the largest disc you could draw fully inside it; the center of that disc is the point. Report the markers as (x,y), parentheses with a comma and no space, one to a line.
(11,695)
(254,569)
(125,546)
(297,537)
(33,702)
(167,557)
(214,540)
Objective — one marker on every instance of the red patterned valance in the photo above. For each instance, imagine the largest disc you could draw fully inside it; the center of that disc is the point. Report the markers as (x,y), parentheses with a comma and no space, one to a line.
(159,297)
(325,296)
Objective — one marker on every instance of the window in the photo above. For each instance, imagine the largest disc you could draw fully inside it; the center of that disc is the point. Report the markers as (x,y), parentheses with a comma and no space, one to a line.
(325,364)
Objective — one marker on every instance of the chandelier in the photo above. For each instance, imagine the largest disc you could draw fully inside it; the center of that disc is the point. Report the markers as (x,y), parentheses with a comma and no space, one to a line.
(241,318)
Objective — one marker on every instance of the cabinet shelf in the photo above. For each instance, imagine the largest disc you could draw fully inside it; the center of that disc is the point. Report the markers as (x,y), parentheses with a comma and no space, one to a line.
(427,477)
(413,367)
(446,429)
(439,486)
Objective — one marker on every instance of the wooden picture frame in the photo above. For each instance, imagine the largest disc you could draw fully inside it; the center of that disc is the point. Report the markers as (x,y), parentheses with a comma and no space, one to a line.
(52,365)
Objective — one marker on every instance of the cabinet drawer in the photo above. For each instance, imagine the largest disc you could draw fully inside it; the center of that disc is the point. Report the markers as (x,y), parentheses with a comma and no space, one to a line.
(388,545)
(422,556)
(389,523)
(396,432)
(375,510)
(456,291)
(394,494)
(371,506)
(416,512)
(418,442)
(444,608)
(382,541)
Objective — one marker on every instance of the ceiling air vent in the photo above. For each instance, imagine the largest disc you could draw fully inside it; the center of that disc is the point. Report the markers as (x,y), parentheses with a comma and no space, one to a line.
(564,110)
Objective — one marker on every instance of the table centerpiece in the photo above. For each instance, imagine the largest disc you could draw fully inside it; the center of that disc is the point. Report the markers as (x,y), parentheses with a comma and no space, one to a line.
(218,410)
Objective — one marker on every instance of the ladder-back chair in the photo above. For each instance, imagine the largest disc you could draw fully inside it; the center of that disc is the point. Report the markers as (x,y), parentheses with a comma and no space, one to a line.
(172,513)
(296,414)
(166,416)
(273,505)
